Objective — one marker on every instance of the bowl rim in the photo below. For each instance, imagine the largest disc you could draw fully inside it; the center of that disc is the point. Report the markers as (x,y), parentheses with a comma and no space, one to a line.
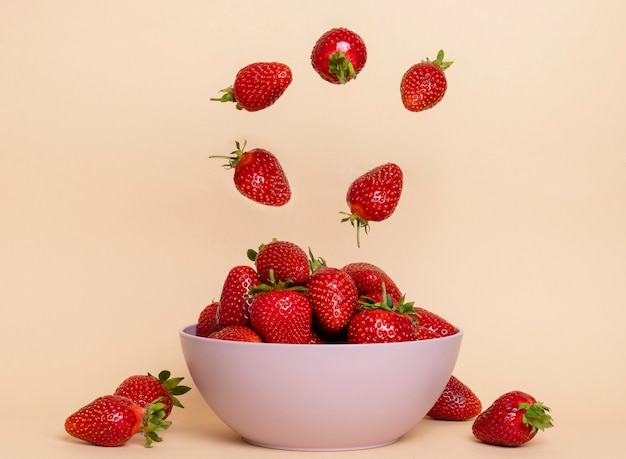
(185,333)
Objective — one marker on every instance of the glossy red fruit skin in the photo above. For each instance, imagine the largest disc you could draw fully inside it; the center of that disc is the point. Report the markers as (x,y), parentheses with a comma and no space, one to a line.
(374,195)
(502,423)
(381,326)
(426,333)
(333,296)
(260,177)
(339,40)
(110,420)
(434,322)
(235,301)
(144,390)
(369,278)
(423,86)
(282,316)
(259,85)
(287,260)
(207,320)
(456,403)
(236,333)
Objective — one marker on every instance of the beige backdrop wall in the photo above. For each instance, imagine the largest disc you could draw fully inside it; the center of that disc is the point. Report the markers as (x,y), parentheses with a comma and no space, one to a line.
(117,228)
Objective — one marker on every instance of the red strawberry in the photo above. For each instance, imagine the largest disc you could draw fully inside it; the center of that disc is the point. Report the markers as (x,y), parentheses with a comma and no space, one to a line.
(282,316)
(339,55)
(287,261)
(207,320)
(424,84)
(456,403)
(257,86)
(333,295)
(235,300)
(382,322)
(426,333)
(512,420)
(438,324)
(145,389)
(373,197)
(237,333)
(112,420)
(258,176)
(369,278)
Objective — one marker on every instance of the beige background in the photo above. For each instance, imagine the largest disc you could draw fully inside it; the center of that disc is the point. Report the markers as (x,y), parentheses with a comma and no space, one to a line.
(117,229)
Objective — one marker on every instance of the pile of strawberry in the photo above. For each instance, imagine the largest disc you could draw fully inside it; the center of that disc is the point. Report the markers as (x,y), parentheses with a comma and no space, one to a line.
(140,404)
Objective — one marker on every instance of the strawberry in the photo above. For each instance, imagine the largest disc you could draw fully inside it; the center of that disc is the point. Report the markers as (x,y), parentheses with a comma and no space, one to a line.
(426,333)
(112,420)
(369,278)
(512,420)
(333,296)
(456,403)
(287,261)
(235,301)
(339,55)
(207,320)
(257,86)
(237,333)
(436,323)
(382,322)
(145,389)
(258,176)
(373,197)
(424,84)
(282,315)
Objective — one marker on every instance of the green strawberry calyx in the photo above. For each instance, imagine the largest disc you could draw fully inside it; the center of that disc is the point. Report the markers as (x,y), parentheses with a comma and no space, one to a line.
(153,421)
(439,62)
(536,416)
(227,96)
(387,303)
(358,222)
(340,66)
(316,263)
(273,285)
(173,386)
(234,157)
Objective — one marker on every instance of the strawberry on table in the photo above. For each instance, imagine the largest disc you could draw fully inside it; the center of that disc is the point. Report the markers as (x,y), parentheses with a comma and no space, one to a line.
(258,175)
(284,260)
(207,320)
(373,196)
(112,420)
(369,279)
(257,86)
(237,333)
(339,55)
(235,301)
(383,322)
(333,295)
(145,389)
(512,420)
(457,402)
(424,84)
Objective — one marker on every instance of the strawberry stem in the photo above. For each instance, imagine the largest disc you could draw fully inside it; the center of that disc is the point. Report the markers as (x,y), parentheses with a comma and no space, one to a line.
(440,62)
(153,421)
(234,157)
(536,416)
(341,67)
(358,222)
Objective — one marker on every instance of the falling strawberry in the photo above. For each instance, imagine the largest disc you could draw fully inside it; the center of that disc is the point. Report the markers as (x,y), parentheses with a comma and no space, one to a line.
(112,420)
(257,86)
(434,322)
(237,333)
(333,295)
(383,322)
(258,176)
(424,84)
(369,279)
(145,389)
(512,420)
(281,315)
(456,403)
(207,320)
(287,262)
(373,197)
(339,55)
(235,301)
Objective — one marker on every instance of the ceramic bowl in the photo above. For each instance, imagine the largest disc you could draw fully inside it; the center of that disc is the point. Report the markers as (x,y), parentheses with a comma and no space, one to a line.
(320,397)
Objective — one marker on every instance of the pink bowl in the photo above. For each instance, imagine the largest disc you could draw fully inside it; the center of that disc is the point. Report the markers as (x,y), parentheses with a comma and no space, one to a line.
(320,397)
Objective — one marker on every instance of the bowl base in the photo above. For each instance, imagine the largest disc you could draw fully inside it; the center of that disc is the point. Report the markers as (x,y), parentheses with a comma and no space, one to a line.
(338,448)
